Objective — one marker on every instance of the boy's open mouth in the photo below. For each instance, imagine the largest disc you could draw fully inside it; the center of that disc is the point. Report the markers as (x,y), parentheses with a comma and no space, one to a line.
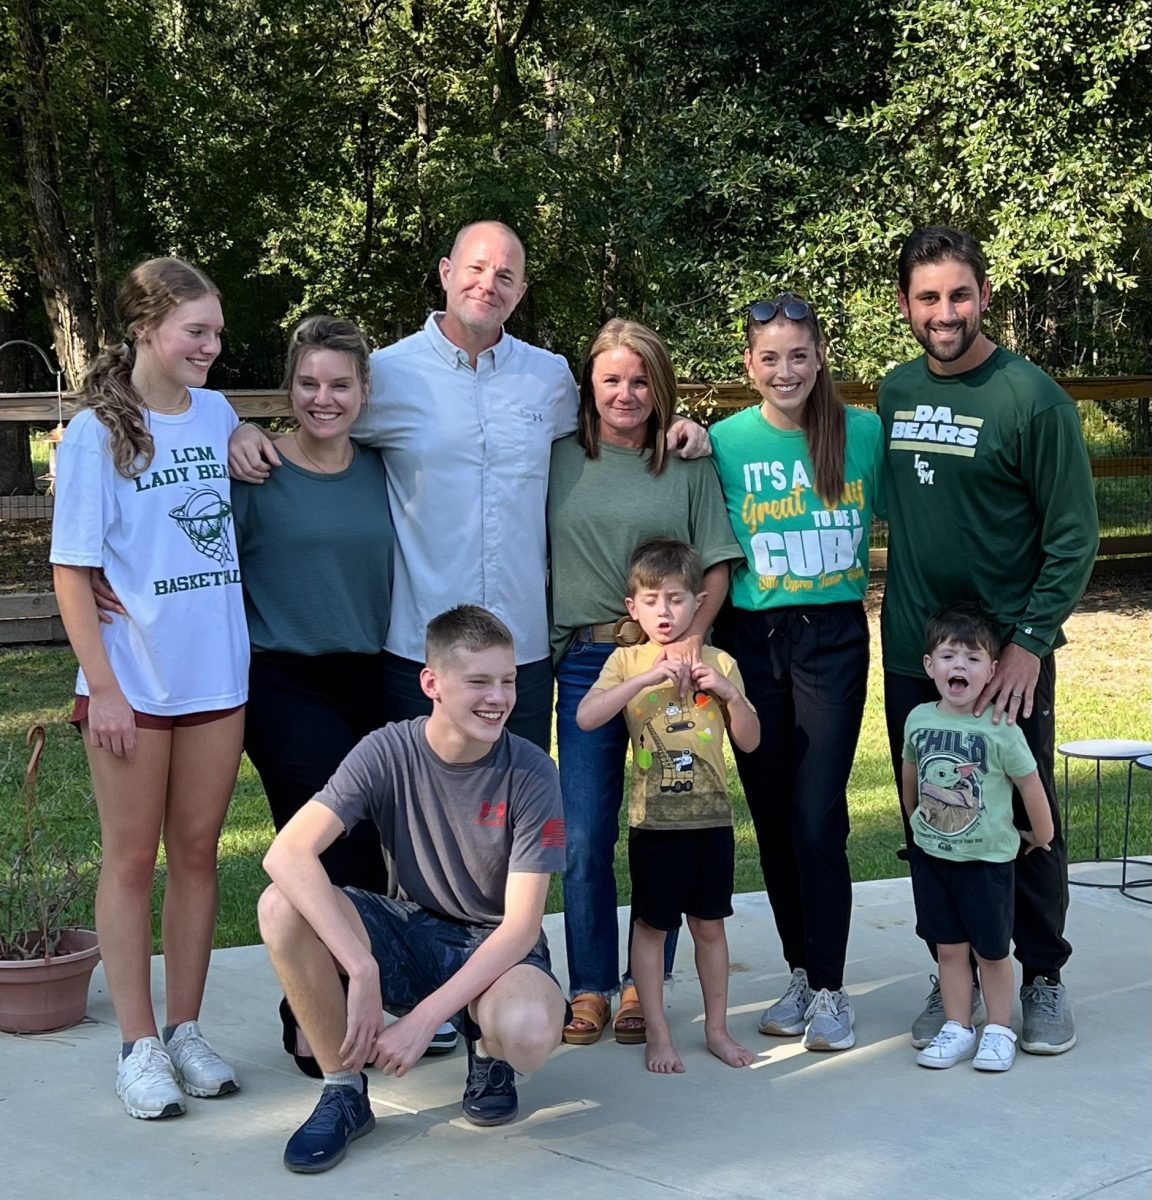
(957,683)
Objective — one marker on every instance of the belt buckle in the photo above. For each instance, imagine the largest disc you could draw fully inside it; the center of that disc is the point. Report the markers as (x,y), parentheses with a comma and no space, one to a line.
(627,632)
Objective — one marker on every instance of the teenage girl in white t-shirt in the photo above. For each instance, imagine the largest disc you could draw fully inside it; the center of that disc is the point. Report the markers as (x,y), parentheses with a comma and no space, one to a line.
(142,494)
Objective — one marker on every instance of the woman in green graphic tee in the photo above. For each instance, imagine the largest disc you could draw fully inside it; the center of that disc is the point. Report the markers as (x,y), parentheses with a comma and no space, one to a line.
(800,474)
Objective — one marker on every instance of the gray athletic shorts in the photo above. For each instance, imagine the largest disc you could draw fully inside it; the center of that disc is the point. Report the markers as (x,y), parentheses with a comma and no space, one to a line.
(418,951)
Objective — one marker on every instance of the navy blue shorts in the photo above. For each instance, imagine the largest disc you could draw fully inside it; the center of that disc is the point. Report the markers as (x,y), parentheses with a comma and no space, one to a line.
(681,872)
(417,951)
(964,902)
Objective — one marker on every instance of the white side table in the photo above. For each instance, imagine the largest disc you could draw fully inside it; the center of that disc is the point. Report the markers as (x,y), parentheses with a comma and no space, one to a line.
(1102,750)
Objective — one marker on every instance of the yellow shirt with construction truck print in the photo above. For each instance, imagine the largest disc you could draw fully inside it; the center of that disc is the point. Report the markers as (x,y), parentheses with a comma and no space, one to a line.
(679,780)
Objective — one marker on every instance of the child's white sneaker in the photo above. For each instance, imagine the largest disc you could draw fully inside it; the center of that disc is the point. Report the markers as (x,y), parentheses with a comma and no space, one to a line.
(199,1069)
(146,1082)
(954,1043)
(997,1050)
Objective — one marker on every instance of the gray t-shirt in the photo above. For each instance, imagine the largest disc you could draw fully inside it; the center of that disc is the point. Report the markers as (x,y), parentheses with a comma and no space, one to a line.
(451,832)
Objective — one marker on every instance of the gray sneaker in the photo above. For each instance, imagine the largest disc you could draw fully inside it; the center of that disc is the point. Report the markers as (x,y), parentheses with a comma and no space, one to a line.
(931,1020)
(830,1020)
(1049,1027)
(785,1018)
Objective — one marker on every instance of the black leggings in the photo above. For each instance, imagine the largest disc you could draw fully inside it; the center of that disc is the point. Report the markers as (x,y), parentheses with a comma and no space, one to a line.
(1041,878)
(806,672)
(305,713)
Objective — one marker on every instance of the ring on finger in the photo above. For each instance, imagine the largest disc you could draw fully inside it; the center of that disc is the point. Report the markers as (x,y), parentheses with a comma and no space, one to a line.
(1017,695)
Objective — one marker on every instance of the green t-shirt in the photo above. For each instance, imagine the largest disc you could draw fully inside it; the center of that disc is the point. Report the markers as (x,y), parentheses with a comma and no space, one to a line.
(316,557)
(600,509)
(990,499)
(679,780)
(796,549)
(964,771)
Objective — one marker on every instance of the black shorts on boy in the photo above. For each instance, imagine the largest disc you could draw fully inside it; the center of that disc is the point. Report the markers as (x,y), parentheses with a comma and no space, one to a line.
(958,902)
(681,872)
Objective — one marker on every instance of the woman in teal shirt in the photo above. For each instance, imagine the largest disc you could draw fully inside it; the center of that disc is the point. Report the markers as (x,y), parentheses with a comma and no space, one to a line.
(800,474)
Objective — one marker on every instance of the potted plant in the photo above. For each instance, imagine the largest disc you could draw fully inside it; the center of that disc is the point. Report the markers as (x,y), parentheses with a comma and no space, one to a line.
(46,962)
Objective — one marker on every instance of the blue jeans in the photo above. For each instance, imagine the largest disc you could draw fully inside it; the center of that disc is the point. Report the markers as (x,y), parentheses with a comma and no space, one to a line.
(592,779)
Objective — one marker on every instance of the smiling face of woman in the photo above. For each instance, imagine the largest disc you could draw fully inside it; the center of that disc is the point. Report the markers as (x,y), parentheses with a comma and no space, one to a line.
(326,394)
(623,395)
(783,362)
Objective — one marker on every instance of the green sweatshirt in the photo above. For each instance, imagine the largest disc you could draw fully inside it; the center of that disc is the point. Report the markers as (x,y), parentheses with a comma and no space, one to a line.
(990,499)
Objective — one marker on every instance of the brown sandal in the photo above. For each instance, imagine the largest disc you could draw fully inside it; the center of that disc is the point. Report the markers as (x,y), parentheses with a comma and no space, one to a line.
(629,1010)
(593,1010)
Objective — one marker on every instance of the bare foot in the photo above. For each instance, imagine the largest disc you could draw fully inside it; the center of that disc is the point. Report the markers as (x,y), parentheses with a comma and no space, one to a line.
(729,1051)
(661,1057)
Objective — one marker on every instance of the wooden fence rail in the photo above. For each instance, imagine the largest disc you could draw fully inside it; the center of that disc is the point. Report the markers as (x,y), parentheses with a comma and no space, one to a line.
(41,408)
(710,399)
(34,617)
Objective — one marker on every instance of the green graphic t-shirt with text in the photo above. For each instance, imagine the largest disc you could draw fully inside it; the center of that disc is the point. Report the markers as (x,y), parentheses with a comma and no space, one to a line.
(797,550)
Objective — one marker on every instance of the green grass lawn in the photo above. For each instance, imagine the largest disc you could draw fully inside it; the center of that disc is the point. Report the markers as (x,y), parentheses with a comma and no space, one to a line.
(1104,691)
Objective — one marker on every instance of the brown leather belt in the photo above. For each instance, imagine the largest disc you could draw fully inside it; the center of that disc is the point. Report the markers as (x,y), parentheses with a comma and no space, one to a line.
(624,632)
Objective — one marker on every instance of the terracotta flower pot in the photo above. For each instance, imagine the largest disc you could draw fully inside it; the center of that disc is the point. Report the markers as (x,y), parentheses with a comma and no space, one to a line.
(46,994)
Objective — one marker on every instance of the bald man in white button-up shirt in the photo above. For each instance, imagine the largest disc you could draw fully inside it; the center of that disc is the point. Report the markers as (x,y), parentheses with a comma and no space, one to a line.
(465,415)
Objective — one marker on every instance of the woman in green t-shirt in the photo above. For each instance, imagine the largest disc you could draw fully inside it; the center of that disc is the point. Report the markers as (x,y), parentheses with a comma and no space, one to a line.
(800,473)
(613,485)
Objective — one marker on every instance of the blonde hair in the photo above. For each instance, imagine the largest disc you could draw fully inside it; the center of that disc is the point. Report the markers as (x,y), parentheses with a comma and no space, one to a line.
(149,292)
(322,332)
(650,348)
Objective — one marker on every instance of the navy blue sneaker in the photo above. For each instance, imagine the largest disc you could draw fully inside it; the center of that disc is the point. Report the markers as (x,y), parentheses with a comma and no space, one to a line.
(342,1115)
(490,1096)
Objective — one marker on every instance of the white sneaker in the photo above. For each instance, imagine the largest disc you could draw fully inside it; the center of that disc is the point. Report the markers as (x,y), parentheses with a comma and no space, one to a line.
(200,1071)
(954,1043)
(146,1082)
(997,1049)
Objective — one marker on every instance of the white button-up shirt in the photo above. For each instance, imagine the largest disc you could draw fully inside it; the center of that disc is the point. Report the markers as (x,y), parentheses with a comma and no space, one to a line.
(467,454)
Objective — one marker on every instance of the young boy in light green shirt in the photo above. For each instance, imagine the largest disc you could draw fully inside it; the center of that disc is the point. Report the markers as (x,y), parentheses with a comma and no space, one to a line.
(959,771)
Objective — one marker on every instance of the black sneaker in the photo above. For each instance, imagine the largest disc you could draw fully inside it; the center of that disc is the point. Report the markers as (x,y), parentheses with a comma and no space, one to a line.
(443,1041)
(342,1115)
(490,1097)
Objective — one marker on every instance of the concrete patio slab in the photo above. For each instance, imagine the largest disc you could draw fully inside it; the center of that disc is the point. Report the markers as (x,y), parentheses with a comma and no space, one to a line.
(866,1123)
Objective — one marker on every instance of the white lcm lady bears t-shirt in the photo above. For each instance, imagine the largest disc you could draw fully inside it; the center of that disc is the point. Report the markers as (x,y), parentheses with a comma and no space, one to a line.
(166,543)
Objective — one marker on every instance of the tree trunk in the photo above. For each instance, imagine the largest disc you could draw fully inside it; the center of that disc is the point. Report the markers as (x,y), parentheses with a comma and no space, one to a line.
(507,90)
(423,145)
(65,292)
(15,454)
(105,235)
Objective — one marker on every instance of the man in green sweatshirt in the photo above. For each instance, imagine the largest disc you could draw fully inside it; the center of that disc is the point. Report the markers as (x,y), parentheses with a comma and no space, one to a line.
(990,499)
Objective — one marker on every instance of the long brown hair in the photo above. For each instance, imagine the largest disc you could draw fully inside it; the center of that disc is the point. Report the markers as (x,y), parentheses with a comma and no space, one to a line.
(824,421)
(649,346)
(148,294)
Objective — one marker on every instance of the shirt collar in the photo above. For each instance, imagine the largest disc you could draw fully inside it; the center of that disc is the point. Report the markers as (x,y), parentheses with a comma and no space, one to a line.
(454,356)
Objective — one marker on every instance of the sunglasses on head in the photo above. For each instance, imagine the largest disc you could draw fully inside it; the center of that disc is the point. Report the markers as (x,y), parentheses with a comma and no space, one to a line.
(787,303)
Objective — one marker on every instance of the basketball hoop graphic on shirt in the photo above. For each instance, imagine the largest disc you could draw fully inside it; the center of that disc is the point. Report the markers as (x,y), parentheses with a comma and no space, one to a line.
(205,518)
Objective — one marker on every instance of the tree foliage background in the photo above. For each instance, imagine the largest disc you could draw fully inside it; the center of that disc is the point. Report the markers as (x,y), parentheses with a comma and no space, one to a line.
(664,161)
